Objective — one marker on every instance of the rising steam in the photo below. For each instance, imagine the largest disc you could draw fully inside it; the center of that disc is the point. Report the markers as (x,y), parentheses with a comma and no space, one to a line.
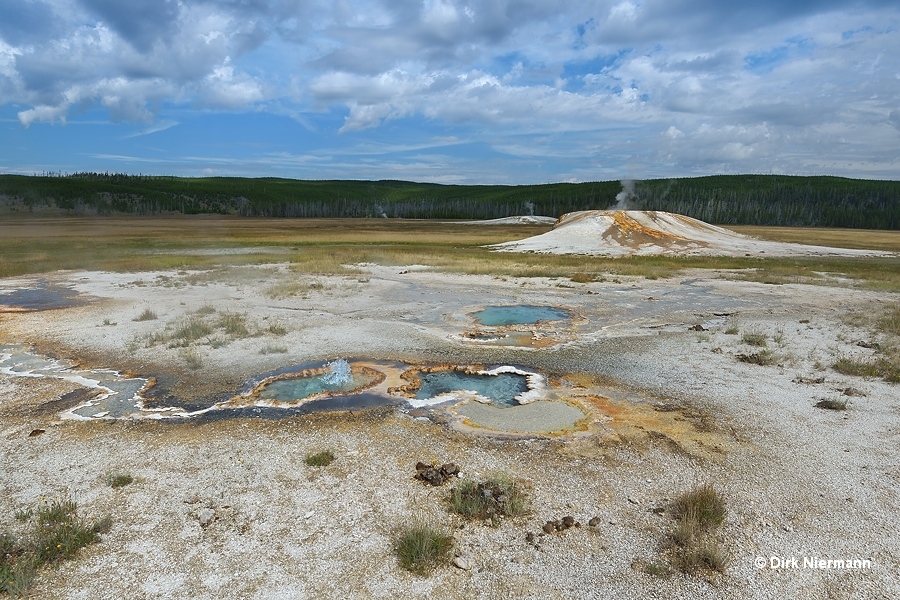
(626,197)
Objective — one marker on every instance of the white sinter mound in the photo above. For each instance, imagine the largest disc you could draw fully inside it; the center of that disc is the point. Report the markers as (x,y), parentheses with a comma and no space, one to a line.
(638,232)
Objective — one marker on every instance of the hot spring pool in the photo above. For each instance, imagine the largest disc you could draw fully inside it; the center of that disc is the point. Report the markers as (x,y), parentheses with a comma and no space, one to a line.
(519,314)
(501,389)
(338,378)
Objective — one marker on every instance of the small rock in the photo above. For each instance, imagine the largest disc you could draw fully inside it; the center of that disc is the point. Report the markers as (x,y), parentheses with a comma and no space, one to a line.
(852,391)
(529,537)
(568,521)
(460,562)
(36,432)
(192,499)
(594,521)
(206,516)
(549,527)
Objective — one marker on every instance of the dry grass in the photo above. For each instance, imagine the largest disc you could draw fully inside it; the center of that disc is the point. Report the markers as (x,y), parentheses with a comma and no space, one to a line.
(698,513)
(330,246)
(823,236)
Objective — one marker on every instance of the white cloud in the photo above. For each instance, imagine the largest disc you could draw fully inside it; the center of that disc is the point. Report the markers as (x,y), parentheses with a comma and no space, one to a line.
(677,84)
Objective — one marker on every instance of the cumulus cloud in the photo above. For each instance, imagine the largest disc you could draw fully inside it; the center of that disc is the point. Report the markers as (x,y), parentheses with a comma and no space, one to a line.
(657,84)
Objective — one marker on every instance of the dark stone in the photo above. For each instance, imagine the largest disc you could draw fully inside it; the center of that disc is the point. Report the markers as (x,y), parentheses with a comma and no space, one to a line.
(568,521)
(549,527)
(432,476)
(594,521)
(529,537)
(420,466)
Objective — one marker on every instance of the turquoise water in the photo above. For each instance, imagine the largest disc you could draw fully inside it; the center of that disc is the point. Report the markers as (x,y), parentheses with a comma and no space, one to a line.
(338,378)
(520,314)
(502,388)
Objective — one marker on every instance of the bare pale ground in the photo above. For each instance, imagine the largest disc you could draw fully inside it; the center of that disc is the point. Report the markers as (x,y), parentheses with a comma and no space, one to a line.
(669,408)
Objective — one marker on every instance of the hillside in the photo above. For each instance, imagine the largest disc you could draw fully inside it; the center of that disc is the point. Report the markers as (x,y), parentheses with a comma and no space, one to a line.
(737,200)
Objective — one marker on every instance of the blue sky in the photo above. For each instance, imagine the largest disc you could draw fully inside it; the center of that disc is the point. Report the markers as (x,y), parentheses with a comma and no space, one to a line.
(451,91)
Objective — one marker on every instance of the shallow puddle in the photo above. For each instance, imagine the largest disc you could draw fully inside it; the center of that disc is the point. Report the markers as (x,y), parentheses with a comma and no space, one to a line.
(539,417)
(41,296)
(116,396)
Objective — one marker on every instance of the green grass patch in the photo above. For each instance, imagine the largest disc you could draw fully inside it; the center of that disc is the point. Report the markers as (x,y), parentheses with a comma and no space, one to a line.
(320,459)
(500,496)
(118,480)
(422,548)
(57,533)
(886,367)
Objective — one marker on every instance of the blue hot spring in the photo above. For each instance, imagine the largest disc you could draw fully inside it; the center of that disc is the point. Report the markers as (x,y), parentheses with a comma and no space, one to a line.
(502,388)
(519,314)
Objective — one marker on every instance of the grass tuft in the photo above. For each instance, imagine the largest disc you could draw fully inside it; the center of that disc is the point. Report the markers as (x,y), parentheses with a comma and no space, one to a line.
(234,324)
(698,513)
(320,459)
(764,358)
(147,315)
(421,548)
(703,505)
(754,338)
(117,480)
(493,499)
(191,330)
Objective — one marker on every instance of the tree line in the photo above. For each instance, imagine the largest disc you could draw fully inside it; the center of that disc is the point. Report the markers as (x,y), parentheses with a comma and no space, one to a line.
(733,199)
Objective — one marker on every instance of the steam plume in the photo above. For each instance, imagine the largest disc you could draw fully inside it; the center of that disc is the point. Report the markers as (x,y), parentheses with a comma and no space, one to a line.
(626,196)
